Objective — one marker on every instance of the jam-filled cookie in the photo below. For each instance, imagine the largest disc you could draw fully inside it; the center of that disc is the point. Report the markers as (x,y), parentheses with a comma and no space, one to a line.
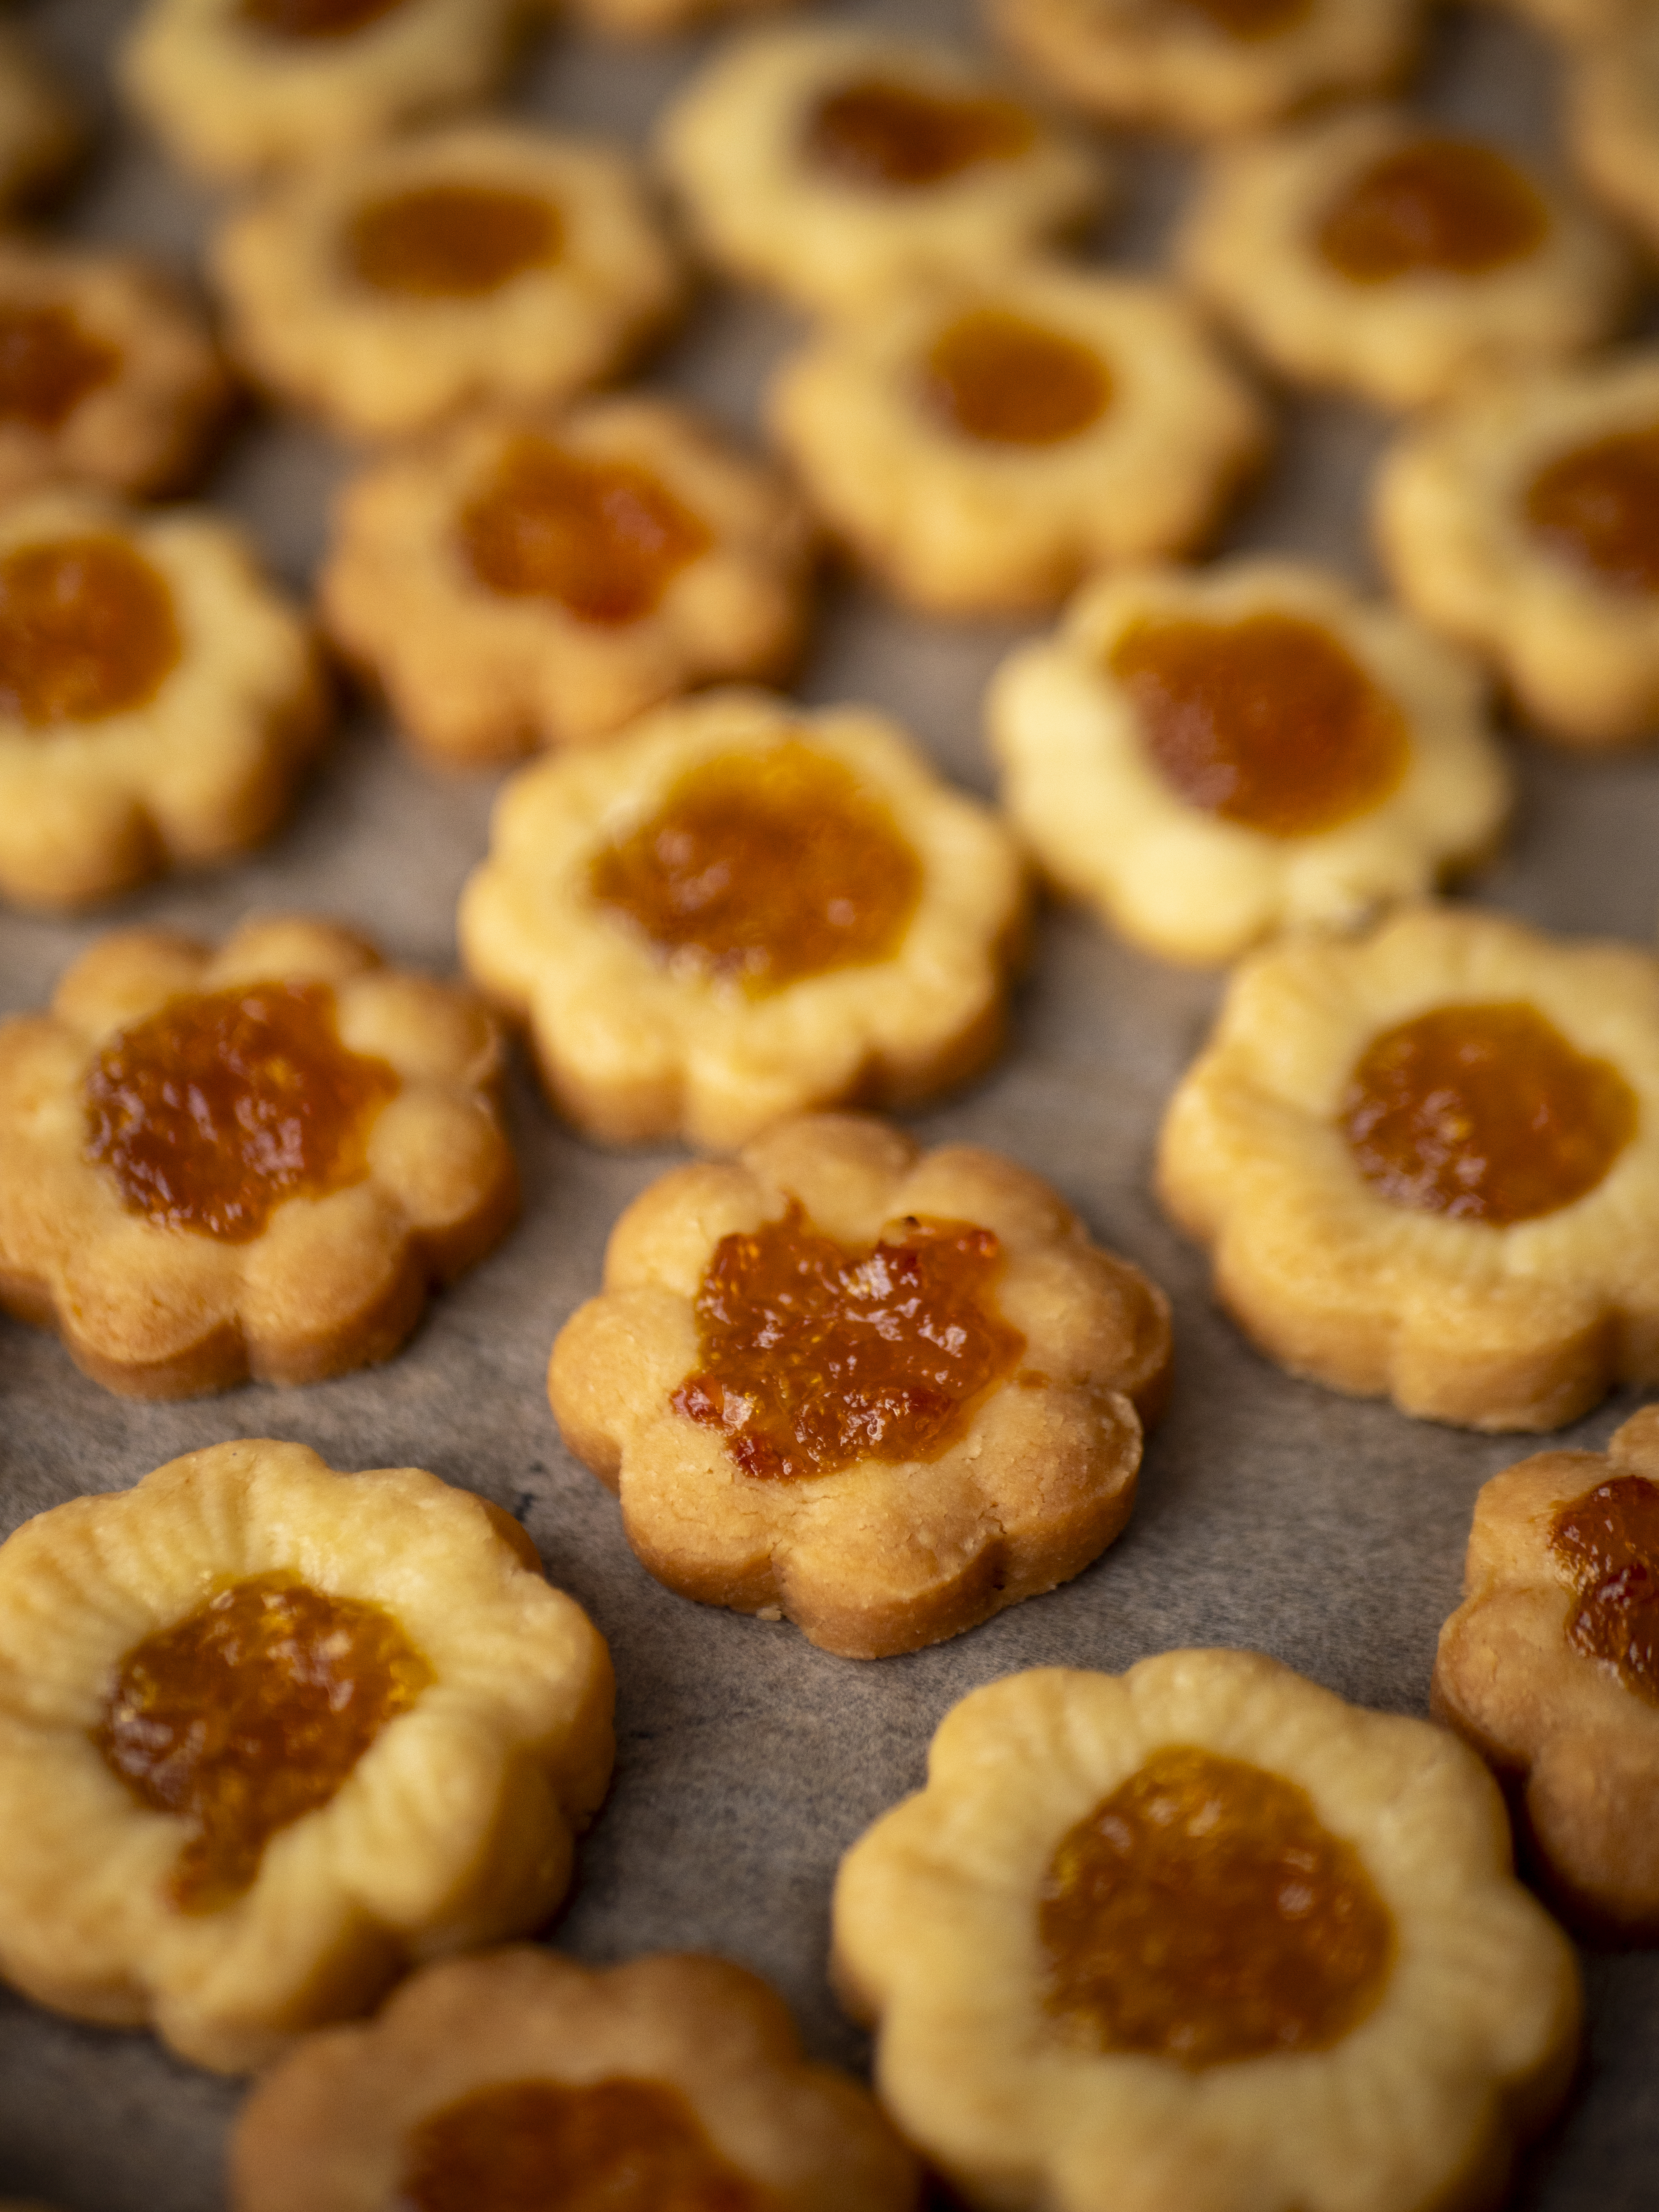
(41,126)
(1378,254)
(1550,1667)
(1208,65)
(1612,118)
(235,86)
(252,1162)
(534,580)
(157,697)
(1207,758)
(270,1734)
(983,443)
(107,376)
(1524,522)
(673,2083)
(486,262)
(833,164)
(883,1393)
(1204,1936)
(1426,1163)
(741,909)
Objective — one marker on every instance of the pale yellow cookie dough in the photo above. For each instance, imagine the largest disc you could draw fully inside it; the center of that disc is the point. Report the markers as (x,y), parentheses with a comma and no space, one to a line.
(1025,2097)
(452,1826)
(1325,756)
(984,443)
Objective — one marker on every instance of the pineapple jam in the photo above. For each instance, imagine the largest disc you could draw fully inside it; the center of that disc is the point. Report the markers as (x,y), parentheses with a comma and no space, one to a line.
(1597,509)
(1004,381)
(87,630)
(882,136)
(450,241)
(49,365)
(1437,205)
(1607,1544)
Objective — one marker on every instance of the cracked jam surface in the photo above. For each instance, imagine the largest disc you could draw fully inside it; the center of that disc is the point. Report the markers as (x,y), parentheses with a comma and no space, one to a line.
(816,1354)
(249,1713)
(87,630)
(1596,509)
(49,365)
(887,137)
(1439,204)
(1203,1912)
(451,241)
(1002,380)
(1607,1544)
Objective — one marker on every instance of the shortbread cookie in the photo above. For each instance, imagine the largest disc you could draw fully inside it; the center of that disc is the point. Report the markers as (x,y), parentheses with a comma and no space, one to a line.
(1371,253)
(835,164)
(1203,1938)
(269,1734)
(1550,1667)
(1209,757)
(488,262)
(671,2084)
(740,910)
(1612,118)
(1426,1163)
(881,1393)
(41,129)
(108,375)
(982,444)
(1204,66)
(1524,522)
(252,1162)
(534,580)
(235,86)
(157,697)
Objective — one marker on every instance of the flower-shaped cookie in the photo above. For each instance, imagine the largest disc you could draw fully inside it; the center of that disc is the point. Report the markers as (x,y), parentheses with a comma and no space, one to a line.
(834,164)
(1208,65)
(488,262)
(1371,253)
(882,1393)
(41,126)
(1207,758)
(983,443)
(1426,1162)
(108,375)
(740,910)
(1524,522)
(1202,1937)
(1612,115)
(235,86)
(271,1734)
(540,579)
(252,1162)
(673,2083)
(1550,1667)
(158,698)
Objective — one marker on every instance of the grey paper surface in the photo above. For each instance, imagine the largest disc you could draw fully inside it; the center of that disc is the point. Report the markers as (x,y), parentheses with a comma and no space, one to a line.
(1272,1513)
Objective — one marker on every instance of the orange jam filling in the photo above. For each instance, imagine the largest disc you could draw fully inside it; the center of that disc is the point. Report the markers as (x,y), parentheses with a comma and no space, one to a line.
(604,539)
(995,377)
(1597,509)
(213,1111)
(451,241)
(315,19)
(1606,1543)
(1484,1113)
(48,365)
(618,2145)
(87,630)
(764,868)
(1203,1912)
(1269,722)
(1252,19)
(1438,204)
(815,1354)
(890,137)
(248,1714)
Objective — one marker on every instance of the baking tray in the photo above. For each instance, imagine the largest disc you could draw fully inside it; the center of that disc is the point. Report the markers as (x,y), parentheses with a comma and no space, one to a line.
(1272,1513)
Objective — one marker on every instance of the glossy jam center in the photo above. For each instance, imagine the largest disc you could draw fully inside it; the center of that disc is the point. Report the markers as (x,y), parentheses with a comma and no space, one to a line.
(1203,1912)
(315,19)
(250,1712)
(48,365)
(1252,19)
(213,1111)
(995,377)
(1268,722)
(814,1354)
(451,241)
(618,2145)
(888,137)
(1597,509)
(87,630)
(1484,1113)
(764,868)
(1438,204)
(603,539)
(1606,1543)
